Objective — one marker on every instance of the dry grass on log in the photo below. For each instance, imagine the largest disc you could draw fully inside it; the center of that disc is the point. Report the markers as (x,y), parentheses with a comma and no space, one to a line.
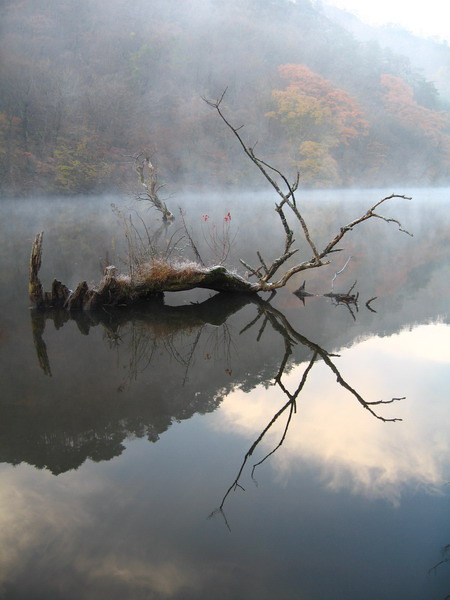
(160,272)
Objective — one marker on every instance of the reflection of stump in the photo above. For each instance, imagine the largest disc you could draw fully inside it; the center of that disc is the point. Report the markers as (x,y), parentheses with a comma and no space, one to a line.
(35,290)
(38,327)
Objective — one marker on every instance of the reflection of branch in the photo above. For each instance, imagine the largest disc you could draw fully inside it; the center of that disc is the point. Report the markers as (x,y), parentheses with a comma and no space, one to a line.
(445,559)
(191,354)
(369,302)
(286,326)
(293,406)
(280,324)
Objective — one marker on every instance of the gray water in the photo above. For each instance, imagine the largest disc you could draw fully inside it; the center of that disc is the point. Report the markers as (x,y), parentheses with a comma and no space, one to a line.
(122,432)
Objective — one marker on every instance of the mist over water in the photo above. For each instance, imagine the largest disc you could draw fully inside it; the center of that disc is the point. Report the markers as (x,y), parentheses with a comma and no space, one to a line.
(122,430)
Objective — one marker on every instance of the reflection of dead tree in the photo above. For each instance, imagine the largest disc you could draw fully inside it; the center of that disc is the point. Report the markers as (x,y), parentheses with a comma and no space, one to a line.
(281,324)
(148,328)
(291,337)
(291,407)
(445,553)
(38,327)
(191,354)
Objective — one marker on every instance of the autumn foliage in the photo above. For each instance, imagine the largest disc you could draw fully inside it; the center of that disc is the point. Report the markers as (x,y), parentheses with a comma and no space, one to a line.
(433,125)
(317,117)
(85,84)
(344,110)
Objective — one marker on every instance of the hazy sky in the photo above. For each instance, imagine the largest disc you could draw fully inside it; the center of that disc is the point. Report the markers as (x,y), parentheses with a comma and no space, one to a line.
(430,18)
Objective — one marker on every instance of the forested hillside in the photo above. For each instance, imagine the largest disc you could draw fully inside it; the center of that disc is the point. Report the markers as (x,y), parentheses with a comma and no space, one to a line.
(84,85)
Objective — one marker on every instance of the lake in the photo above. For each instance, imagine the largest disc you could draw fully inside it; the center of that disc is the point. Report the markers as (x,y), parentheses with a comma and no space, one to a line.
(221,447)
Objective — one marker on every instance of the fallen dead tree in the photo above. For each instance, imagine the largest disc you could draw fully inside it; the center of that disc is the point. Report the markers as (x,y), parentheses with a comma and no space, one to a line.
(123,290)
(158,276)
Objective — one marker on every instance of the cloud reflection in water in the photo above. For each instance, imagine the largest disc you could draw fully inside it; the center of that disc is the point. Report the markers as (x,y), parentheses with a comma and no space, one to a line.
(348,448)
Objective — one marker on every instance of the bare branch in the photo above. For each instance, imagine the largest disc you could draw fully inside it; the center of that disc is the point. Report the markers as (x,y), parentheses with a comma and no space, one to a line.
(368,215)
(255,272)
(291,188)
(261,260)
(390,220)
(191,241)
(216,105)
(305,230)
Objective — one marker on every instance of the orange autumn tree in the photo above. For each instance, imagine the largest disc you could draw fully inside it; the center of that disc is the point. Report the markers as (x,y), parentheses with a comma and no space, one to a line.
(430,125)
(318,118)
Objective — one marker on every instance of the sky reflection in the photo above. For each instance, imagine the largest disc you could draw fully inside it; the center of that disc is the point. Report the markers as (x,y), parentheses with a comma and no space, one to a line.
(79,527)
(348,447)
(137,526)
(126,517)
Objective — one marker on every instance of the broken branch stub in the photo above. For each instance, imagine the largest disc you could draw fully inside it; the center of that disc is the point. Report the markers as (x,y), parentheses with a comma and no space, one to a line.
(148,178)
(35,289)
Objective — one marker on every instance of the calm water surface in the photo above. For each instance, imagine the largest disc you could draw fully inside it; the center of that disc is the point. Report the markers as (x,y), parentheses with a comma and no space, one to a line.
(128,438)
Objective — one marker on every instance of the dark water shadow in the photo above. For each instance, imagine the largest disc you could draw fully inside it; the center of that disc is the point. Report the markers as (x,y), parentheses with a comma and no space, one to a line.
(70,425)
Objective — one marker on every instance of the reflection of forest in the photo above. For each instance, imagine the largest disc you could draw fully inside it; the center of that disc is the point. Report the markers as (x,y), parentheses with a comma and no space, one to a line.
(170,363)
(159,347)
(137,372)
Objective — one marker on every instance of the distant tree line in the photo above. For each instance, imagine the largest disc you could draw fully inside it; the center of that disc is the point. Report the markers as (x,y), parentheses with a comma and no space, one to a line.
(85,85)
